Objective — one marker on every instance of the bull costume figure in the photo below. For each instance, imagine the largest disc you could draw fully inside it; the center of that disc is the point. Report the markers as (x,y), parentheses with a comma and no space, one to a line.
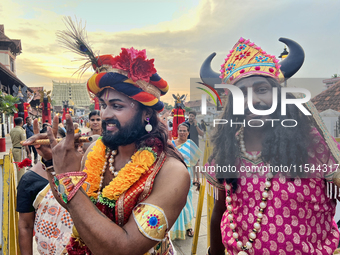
(178,114)
(262,212)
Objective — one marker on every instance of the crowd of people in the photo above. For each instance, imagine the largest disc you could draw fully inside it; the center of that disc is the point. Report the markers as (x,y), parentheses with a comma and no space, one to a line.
(130,190)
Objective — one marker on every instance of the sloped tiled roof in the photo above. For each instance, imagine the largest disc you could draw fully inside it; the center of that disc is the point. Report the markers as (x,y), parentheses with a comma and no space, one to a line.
(4,70)
(328,99)
(15,45)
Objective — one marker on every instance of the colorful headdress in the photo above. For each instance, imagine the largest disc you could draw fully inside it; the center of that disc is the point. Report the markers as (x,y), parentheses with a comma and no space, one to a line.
(247,59)
(130,73)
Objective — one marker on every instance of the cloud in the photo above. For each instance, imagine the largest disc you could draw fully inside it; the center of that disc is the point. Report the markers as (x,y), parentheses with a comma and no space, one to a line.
(180,46)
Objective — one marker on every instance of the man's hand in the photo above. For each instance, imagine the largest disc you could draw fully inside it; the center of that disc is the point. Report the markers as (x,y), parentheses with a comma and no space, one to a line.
(65,156)
(195,122)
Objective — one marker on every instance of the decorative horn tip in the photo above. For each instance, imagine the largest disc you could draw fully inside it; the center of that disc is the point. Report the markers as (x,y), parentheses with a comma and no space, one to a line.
(290,42)
(211,56)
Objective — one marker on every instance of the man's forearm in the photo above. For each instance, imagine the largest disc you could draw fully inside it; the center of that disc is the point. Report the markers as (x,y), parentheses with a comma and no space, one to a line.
(25,240)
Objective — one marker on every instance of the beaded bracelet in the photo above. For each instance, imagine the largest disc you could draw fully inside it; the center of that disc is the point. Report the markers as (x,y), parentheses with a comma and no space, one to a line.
(68,184)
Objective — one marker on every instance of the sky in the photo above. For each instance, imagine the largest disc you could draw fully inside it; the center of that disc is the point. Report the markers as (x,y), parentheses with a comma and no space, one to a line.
(178,34)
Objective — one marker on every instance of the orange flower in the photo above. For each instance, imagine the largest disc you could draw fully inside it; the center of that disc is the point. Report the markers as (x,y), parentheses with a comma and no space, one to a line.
(141,161)
(93,166)
(144,157)
(129,174)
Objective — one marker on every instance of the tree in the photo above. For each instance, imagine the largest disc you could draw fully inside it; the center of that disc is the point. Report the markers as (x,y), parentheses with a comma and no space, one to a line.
(168,106)
(91,107)
(7,106)
(335,76)
(187,109)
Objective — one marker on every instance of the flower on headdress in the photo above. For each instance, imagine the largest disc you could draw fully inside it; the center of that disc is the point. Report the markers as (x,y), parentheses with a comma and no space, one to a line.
(242,55)
(241,47)
(230,68)
(122,61)
(135,53)
(261,58)
(135,62)
(141,69)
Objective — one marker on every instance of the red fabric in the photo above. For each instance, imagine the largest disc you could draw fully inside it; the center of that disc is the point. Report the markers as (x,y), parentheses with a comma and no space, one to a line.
(46,114)
(96,104)
(64,114)
(178,119)
(26,106)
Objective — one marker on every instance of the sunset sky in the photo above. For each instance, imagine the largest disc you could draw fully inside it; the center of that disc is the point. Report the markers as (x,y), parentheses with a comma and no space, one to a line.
(178,34)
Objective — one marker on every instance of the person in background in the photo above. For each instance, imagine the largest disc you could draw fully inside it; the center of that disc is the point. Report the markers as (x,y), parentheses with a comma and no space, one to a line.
(44,129)
(61,125)
(76,128)
(191,154)
(194,131)
(17,135)
(203,126)
(95,123)
(40,214)
(29,132)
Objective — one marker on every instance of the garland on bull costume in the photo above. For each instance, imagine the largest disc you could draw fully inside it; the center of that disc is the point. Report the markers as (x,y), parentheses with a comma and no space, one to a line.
(132,74)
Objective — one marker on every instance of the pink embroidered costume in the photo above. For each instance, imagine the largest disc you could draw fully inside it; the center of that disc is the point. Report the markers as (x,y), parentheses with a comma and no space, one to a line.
(299,215)
(281,208)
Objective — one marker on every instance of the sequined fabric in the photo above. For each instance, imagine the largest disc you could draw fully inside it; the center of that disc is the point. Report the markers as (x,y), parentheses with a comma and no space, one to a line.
(299,216)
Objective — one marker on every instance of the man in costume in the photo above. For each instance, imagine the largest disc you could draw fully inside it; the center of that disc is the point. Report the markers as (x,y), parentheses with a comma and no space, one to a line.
(269,210)
(178,114)
(136,183)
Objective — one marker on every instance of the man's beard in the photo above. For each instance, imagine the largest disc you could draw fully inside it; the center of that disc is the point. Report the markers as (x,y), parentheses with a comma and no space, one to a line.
(128,134)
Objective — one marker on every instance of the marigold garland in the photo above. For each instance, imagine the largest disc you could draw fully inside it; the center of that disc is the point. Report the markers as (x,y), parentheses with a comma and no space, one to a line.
(141,161)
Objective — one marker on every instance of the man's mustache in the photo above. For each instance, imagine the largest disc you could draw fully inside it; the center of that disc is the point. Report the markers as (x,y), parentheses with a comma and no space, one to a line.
(257,107)
(110,121)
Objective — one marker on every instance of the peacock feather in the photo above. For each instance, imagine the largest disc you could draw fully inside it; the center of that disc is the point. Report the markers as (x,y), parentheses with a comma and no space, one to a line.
(75,40)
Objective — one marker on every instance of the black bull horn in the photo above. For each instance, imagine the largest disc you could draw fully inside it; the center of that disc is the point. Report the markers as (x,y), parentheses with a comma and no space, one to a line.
(289,66)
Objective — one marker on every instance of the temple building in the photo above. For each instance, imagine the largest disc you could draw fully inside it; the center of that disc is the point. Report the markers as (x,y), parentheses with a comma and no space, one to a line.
(74,93)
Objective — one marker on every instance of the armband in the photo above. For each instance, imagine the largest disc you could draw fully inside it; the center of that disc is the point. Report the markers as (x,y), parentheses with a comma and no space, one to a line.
(68,184)
(151,221)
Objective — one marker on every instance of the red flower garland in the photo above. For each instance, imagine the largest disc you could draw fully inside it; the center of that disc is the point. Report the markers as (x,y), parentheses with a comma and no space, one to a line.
(135,63)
